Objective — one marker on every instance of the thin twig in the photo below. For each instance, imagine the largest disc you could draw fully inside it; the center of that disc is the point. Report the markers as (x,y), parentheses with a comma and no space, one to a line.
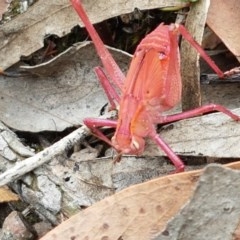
(44,156)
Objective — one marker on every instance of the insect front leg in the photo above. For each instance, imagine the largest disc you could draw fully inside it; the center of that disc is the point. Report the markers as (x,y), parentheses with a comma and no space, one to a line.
(177,162)
(95,123)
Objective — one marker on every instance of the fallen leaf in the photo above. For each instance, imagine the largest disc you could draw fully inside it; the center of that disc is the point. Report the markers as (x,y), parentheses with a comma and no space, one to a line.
(64,93)
(225,23)
(142,210)
(214,206)
(6,195)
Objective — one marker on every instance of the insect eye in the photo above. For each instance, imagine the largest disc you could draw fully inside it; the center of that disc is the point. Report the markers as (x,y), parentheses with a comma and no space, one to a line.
(162,55)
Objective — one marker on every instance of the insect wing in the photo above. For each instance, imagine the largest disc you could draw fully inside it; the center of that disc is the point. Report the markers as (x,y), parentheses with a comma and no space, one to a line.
(146,78)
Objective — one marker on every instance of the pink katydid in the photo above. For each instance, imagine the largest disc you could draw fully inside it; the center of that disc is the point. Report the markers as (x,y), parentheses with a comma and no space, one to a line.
(152,86)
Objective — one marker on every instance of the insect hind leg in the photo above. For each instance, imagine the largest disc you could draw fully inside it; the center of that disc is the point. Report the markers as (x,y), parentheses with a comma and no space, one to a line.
(197,112)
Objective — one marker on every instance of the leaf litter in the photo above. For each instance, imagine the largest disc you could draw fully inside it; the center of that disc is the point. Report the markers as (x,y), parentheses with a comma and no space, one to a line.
(60,103)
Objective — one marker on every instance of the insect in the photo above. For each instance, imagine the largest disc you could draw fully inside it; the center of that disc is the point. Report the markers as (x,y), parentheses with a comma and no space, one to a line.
(151,87)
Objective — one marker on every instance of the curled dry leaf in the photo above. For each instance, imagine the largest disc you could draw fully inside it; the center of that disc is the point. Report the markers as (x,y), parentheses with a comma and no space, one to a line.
(65,91)
(24,34)
(135,211)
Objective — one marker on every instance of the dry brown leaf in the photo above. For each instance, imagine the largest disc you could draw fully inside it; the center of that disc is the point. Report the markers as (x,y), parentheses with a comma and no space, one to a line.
(213,212)
(210,39)
(141,210)
(225,23)
(136,211)
(6,195)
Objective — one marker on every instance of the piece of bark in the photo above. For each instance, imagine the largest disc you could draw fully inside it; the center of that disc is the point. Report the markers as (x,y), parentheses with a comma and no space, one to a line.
(141,210)
(190,71)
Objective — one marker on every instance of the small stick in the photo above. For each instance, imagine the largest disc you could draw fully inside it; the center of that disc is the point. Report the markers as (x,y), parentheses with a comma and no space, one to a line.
(214,79)
(44,156)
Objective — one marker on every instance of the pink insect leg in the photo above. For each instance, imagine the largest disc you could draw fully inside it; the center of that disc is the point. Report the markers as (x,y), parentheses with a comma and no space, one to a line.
(112,70)
(177,162)
(111,67)
(202,53)
(94,123)
(197,112)
(188,114)
(107,87)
